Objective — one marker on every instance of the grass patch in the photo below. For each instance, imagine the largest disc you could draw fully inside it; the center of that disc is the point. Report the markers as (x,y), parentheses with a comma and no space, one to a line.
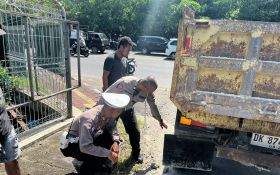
(24,83)
(125,164)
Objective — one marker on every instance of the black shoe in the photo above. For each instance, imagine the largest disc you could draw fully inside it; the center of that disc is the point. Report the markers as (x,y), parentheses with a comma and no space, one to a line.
(138,159)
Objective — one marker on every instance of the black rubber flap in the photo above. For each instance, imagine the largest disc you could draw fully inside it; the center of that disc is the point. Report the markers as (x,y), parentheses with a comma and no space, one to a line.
(180,152)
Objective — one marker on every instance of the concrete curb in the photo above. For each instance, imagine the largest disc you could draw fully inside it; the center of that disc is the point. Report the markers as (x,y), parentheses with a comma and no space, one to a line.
(48,132)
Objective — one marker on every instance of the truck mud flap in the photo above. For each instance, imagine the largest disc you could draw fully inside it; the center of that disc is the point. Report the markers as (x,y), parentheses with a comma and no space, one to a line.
(185,153)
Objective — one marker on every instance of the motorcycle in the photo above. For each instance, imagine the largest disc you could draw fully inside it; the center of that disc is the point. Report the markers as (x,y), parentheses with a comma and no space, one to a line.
(83,48)
(130,66)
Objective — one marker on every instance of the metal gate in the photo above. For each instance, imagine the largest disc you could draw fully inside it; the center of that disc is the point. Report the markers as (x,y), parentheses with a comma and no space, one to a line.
(35,73)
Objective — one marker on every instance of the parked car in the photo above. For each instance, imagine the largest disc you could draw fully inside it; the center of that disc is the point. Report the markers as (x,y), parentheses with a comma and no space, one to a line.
(97,41)
(148,44)
(170,50)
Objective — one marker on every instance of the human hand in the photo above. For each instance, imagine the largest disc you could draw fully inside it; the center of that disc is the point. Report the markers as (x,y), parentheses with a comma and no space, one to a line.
(115,147)
(113,157)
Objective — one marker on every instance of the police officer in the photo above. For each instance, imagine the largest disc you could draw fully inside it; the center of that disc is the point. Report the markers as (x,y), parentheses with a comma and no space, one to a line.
(138,90)
(93,136)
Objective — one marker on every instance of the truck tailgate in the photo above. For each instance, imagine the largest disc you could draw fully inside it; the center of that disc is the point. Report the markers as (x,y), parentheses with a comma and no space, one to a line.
(227,74)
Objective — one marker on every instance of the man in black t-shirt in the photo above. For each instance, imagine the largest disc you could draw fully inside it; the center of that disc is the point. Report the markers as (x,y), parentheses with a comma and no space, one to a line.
(115,65)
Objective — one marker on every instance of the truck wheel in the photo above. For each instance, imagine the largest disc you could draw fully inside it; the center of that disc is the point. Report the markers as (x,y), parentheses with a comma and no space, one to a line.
(94,50)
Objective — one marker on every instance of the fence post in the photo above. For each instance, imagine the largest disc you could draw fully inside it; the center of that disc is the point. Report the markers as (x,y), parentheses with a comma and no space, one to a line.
(79,55)
(28,55)
(68,69)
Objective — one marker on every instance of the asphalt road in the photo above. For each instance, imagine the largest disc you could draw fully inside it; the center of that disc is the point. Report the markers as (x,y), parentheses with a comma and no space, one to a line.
(157,65)
(161,67)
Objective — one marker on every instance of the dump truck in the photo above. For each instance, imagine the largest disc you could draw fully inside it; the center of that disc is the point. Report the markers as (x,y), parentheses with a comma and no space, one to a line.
(226,87)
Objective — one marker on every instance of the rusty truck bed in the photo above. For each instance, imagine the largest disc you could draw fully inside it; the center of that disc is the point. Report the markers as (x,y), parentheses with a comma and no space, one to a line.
(227,74)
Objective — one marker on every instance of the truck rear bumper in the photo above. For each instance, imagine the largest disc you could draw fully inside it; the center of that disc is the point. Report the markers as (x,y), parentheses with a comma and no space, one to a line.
(248,157)
(192,153)
(195,154)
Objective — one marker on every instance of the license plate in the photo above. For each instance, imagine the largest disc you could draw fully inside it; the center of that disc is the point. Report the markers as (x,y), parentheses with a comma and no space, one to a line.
(266,141)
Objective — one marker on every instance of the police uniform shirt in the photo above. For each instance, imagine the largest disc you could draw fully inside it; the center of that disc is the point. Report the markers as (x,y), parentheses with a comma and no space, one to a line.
(87,125)
(127,85)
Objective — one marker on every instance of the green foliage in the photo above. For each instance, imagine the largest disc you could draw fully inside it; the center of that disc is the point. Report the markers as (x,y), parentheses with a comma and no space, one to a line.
(253,10)
(159,17)
(125,164)
(8,84)
(163,17)
(46,3)
(129,17)
(218,9)
(259,10)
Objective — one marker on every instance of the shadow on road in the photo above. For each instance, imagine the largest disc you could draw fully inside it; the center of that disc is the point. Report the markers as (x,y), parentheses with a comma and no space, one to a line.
(143,172)
(98,53)
(168,59)
(125,167)
(81,56)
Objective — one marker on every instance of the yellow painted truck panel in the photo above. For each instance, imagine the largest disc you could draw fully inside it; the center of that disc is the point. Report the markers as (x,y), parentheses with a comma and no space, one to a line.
(227,74)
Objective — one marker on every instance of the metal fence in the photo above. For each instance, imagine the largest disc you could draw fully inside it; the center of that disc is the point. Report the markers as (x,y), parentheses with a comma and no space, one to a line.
(35,73)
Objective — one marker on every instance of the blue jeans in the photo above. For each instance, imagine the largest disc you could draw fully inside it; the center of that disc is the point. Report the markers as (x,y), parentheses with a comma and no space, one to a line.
(9,148)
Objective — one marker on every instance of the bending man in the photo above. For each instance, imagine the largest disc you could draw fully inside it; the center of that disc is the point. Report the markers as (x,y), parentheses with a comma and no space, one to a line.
(138,90)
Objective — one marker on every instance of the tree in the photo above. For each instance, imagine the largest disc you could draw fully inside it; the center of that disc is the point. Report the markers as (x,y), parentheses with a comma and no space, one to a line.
(162,17)
(108,16)
(258,10)
(219,9)
(129,17)
(254,10)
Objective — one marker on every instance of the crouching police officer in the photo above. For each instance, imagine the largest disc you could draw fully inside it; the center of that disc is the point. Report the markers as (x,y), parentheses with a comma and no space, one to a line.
(93,137)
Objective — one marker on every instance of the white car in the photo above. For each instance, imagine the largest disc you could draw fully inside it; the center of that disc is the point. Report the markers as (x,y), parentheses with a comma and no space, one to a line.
(170,50)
